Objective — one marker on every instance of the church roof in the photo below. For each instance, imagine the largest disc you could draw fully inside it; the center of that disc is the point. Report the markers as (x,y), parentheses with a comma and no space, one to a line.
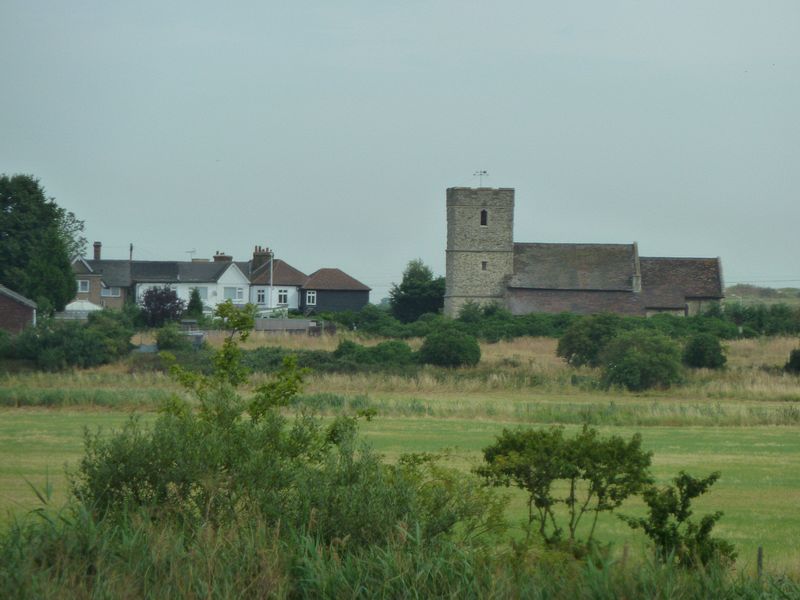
(669,282)
(604,267)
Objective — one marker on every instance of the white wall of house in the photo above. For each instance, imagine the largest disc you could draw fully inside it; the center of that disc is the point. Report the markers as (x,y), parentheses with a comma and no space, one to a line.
(284,296)
(231,284)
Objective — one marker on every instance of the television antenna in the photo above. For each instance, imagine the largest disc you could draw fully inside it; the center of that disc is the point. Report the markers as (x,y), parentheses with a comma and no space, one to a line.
(191,253)
(480,175)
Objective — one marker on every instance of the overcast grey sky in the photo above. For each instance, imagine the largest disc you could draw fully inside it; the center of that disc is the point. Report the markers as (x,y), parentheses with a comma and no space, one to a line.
(329,131)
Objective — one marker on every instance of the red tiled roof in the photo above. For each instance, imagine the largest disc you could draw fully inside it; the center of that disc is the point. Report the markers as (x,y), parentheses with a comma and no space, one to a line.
(669,282)
(282,274)
(333,279)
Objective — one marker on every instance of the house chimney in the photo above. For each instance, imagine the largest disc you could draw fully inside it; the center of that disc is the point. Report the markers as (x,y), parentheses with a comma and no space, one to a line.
(98,246)
(260,257)
(222,257)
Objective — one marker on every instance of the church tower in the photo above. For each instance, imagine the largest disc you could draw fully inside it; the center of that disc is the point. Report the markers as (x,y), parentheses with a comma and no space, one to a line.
(480,246)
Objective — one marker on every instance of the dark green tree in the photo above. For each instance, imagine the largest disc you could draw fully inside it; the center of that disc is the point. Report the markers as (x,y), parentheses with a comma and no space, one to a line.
(195,306)
(36,236)
(418,293)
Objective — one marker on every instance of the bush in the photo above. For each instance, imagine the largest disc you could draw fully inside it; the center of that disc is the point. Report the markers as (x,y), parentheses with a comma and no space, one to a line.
(704,351)
(55,345)
(793,365)
(450,348)
(170,337)
(585,339)
(640,360)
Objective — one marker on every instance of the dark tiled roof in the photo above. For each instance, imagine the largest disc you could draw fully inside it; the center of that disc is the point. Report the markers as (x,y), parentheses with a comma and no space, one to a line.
(123,273)
(669,282)
(115,273)
(282,274)
(333,279)
(574,266)
(199,272)
(17,297)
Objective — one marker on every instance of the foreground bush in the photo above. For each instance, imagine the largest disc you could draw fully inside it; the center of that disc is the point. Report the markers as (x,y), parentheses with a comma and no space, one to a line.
(450,347)
(640,360)
(704,351)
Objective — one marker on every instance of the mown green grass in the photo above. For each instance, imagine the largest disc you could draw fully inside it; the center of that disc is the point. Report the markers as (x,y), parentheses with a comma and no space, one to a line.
(759,490)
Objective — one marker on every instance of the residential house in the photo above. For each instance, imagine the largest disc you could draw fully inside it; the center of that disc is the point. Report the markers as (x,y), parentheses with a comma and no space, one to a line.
(264,280)
(330,290)
(16,311)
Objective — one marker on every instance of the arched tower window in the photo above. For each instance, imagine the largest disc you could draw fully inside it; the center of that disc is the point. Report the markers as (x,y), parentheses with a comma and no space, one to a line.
(484,217)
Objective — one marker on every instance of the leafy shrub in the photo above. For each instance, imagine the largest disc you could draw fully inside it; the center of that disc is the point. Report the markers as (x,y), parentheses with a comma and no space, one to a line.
(585,339)
(170,337)
(597,474)
(640,360)
(793,364)
(704,351)
(450,348)
(669,526)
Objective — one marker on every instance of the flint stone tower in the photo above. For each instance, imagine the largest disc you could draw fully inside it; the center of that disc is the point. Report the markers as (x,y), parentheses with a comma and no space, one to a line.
(480,246)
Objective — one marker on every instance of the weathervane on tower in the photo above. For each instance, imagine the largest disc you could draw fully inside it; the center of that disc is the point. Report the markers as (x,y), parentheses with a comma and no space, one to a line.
(480,175)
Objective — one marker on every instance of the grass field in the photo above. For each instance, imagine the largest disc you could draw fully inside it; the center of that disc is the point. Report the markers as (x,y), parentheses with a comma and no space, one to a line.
(744,422)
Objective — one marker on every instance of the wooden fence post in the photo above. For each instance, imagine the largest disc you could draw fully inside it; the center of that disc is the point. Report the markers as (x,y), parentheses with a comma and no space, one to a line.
(760,562)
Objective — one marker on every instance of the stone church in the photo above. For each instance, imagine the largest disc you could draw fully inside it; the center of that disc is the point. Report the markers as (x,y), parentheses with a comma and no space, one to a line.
(485,265)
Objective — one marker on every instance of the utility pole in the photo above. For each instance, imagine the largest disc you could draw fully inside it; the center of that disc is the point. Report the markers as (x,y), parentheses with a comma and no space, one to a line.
(271,261)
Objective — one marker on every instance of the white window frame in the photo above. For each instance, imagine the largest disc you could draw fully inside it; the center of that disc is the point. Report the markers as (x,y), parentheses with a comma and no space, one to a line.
(236,294)
(83,286)
(311,297)
(202,291)
(110,292)
(261,296)
(283,296)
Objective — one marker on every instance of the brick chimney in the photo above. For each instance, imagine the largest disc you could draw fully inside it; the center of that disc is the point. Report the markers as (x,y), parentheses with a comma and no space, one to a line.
(260,257)
(222,257)
(98,246)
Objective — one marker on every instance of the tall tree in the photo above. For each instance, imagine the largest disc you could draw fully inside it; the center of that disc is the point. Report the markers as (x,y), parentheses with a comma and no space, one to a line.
(34,237)
(418,293)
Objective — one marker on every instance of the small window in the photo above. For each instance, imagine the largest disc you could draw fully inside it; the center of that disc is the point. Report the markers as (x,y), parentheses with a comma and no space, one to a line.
(283,297)
(484,265)
(261,296)
(83,286)
(311,297)
(110,292)
(484,217)
(203,291)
